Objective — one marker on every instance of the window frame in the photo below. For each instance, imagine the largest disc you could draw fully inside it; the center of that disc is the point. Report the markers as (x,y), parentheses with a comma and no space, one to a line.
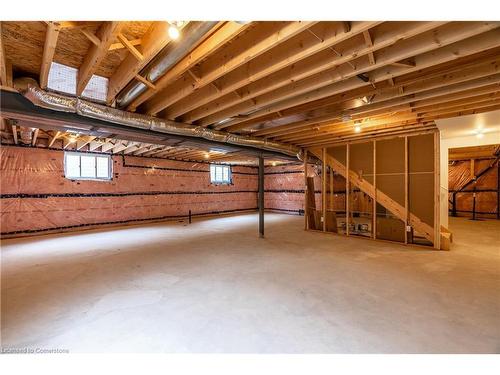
(229,181)
(95,156)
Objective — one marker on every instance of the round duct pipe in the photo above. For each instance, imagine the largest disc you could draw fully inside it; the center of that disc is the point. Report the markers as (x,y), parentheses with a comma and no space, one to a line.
(165,60)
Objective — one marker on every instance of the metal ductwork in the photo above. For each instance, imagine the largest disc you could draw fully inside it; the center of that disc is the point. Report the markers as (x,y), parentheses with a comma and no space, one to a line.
(165,60)
(30,89)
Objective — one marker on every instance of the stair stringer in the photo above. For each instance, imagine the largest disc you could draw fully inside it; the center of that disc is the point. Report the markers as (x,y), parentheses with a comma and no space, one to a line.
(390,204)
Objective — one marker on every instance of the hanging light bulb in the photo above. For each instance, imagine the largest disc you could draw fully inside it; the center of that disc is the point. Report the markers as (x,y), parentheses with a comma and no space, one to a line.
(173,32)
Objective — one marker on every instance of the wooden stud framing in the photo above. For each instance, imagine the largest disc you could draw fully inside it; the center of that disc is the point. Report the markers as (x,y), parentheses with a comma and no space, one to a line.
(323,188)
(306,208)
(347,193)
(407,208)
(374,198)
(437,193)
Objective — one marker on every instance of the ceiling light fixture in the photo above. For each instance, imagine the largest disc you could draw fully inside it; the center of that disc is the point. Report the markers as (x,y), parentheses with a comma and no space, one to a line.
(173,32)
(357,127)
(479,133)
(207,155)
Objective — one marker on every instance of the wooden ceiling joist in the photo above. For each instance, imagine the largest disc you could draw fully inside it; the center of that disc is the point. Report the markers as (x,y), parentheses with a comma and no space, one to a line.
(49,49)
(476,76)
(228,63)
(322,62)
(344,79)
(155,39)
(107,34)
(3,61)
(221,36)
(286,54)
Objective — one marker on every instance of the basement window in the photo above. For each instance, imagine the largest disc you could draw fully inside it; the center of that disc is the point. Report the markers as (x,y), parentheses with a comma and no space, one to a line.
(220,174)
(87,167)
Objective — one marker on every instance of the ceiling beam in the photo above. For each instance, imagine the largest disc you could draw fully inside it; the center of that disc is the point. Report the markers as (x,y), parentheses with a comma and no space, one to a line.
(49,48)
(107,34)
(388,99)
(431,51)
(228,63)
(224,33)
(325,62)
(209,99)
(155,39)
(3,61)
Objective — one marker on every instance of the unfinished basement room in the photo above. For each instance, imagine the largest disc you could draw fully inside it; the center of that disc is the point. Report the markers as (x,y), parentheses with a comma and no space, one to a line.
(250,186)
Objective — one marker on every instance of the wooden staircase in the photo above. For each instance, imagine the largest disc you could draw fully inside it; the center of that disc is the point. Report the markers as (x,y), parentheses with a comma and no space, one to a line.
(390,204)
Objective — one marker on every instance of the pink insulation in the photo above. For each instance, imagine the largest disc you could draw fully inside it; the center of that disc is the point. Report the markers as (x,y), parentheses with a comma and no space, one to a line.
(284,188)
(486,187)
(36,197)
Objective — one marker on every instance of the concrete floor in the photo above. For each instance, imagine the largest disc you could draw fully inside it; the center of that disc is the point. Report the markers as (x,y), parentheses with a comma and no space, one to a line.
(214,286)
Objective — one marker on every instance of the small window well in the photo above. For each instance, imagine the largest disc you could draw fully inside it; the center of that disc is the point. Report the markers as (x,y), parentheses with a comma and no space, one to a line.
(87,167)
(220,174)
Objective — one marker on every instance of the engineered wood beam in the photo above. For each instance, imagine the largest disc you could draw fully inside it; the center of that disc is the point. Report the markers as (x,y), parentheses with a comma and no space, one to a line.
(107,33)
(49,48)
(228,64)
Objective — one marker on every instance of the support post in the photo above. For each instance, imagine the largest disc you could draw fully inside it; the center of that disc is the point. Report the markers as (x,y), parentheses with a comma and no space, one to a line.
(347,195)
(261,196)
(323,188)
(498,190)
(306,206)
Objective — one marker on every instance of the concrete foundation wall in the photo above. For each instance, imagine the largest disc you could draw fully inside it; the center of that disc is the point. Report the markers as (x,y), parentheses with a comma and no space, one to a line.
(36,197)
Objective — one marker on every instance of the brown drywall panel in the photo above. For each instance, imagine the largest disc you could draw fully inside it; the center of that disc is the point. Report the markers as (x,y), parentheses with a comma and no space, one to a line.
(390,229)
(361,158)
(421,153)
(338,152)
(393,186)
(421,196)
(391,156)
